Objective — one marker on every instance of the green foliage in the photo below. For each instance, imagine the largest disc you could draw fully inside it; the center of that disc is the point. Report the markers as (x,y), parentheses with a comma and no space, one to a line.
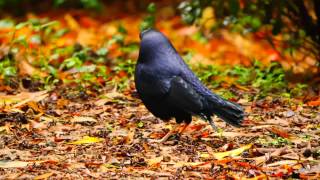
(208,74)
(126,66)
(190,10)
(6,23)
(276,142)
(298,90)
(226,94)
(149,20)
(266,79)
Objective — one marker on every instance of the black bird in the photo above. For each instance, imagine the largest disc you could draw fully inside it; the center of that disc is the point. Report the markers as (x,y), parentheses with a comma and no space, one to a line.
(168,88)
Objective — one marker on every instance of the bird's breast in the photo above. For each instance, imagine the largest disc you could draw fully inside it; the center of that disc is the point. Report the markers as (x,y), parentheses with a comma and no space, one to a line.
(151,82)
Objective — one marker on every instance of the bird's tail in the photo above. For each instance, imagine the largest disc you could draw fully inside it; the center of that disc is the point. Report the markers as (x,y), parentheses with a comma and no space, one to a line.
(228,111)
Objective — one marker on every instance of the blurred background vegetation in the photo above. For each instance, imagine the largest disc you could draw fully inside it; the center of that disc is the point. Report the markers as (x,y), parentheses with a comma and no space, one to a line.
(290,28)
(298,21)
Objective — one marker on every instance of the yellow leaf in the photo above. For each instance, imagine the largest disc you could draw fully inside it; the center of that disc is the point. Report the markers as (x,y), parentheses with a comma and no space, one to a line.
(204,155)
(72,23)
(232,153)
(2,128)
(154,161)
(109,166)
(86,140)
(43,176)
(207,19)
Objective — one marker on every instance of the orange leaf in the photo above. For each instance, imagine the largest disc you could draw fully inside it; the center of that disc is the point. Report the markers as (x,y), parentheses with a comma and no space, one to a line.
(279,132)
(314,103)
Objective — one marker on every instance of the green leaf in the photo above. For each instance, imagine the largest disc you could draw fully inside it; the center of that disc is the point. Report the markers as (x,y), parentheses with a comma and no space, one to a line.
(36,39)
(6,23)
(21,25)
(102,51)
(255,23)
(22,39)
(140,124)
(88,68)
(151,8)
(72,62)
(61,32)
(10,71)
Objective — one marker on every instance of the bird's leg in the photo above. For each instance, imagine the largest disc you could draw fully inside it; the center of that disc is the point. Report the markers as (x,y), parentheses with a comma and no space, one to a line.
(184,127)
(213,125)
(166,137)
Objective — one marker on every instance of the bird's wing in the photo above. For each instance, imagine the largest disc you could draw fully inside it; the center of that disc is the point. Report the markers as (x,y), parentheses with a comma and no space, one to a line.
(183,96)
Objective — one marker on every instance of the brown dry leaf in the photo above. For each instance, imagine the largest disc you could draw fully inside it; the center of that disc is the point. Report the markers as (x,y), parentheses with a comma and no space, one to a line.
(129,137)
(23,97)
(262,159)
(235,134)
(81,119)
(13,164)
(155,161)
(193,164)
(259,177)
(35,106)
(38,125)
(61,103)
(43,176)
(27,69)
(283,162)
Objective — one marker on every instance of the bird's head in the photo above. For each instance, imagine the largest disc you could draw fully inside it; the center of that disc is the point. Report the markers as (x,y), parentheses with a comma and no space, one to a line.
(153,43)
(151,34)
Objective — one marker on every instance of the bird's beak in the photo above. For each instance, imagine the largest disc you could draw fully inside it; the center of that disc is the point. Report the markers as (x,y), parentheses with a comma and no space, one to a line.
(143,32)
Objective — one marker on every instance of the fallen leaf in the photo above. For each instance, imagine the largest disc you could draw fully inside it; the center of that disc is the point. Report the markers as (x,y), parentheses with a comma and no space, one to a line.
(81,119)
(232,153)
(235,134)
(43,176)
(155,161)
(193,164)
(86,140)
(279,132)
(314,103)
(13,164)
(261,159)
(284,162)
(129,137)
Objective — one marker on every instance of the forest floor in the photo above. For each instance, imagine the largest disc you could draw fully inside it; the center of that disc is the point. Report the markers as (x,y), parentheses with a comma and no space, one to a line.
(69,109)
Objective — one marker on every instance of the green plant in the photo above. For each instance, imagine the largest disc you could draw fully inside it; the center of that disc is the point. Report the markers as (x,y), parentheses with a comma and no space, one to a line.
(149,20)
(266,79)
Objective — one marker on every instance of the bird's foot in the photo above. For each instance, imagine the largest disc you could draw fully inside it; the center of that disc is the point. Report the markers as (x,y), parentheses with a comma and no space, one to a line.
(163,139)
(214,127)
(171,132)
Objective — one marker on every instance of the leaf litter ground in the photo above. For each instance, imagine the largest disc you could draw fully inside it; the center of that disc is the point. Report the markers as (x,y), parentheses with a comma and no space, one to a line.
(103,138)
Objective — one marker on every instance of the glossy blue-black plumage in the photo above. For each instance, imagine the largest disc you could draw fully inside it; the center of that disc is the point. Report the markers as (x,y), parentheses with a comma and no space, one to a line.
(168,87)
